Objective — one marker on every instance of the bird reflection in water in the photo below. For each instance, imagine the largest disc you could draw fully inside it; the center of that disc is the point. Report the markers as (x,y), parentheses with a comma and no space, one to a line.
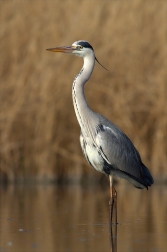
(113,223)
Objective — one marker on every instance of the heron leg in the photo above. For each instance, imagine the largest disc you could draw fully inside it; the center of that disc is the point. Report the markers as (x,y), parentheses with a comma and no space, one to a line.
(113,202)
(113,213)
(115,205)
(111,205)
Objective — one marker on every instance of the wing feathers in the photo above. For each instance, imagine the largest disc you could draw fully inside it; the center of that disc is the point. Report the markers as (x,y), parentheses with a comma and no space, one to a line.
(120,152)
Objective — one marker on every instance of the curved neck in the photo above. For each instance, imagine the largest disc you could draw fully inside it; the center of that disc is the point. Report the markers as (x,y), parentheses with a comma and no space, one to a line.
(81,107)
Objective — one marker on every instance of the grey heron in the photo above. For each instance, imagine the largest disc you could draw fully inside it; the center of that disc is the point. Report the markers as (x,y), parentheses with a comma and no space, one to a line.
(104,145)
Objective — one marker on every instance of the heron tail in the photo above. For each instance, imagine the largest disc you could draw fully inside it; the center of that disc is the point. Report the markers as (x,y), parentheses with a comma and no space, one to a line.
(147,175)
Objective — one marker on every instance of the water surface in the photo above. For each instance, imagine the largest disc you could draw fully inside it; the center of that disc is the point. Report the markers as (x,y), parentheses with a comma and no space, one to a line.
(76,219)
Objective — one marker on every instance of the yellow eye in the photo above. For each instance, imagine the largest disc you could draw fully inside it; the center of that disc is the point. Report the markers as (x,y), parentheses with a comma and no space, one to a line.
(79,47)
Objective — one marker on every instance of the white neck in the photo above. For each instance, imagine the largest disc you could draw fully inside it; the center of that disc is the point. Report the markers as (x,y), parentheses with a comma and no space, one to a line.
(81,107)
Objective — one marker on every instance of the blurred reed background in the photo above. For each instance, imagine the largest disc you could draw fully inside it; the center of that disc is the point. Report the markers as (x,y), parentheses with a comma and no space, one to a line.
(39,130)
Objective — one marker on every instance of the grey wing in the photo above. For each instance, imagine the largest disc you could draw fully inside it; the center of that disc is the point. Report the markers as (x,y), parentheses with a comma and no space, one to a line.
(119,152)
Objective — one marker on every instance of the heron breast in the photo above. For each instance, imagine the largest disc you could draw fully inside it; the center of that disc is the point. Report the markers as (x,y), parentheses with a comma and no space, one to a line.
(94,157)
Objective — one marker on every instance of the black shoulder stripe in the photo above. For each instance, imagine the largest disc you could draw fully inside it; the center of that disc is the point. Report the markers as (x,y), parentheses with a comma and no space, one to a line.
(99,128)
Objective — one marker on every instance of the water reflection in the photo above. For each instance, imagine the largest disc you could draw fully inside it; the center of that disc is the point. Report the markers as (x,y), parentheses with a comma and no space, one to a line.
(113,221)
(113,237)
(73,218)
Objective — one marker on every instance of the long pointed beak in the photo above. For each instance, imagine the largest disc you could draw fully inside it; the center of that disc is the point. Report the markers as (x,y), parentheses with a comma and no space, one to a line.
(64,49)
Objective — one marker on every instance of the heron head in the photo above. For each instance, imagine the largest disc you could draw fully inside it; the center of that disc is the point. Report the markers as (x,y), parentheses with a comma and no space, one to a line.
(79,48)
